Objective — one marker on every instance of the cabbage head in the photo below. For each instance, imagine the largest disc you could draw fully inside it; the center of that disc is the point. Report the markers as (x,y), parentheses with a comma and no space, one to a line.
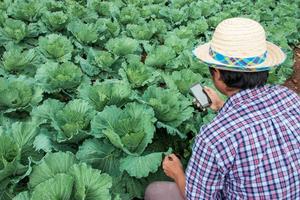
(85,33)
(122,46)
(13,30)
(60,176)
(182,80)
(18,93)
(9,152)
(137,73)
(26,10)
(130,129)
(55,21)
(109,92)
(54,77)
(71,120)
(56,47)
(160,57)
(96,62)
(141,32)
(170,106)
(17,59)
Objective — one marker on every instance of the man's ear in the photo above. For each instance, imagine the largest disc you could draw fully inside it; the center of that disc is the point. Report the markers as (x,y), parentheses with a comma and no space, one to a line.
(217,74)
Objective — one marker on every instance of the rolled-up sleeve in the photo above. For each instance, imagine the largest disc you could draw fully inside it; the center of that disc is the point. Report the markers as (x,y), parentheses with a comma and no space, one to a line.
(203,177)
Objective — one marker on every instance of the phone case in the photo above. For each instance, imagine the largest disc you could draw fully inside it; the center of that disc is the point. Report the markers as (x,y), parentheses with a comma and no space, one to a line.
(201,107)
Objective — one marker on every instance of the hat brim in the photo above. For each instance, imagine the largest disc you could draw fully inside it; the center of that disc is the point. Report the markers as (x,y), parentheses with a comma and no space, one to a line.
(275,57)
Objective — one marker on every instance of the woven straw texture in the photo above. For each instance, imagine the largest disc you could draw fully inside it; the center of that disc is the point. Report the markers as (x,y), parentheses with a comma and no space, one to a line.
(240,38)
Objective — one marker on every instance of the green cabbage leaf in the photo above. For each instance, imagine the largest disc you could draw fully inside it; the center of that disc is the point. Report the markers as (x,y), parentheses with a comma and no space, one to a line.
(26,10)
(22,196)
(144,31)
(9,156)
(57,187)
(96,62)
(71,120)
(160,57)
(55,21)
(103,8)
(116,125)
(109,92)
(171,108)
(51,165)
(137,73)
(182,80)
(122,46)
(13,30)
(16,59)
(90,183)
(100,154)
(18,93)
(129,14)
(141,166)
(85,33)
(56,47)
(60,175)
(55,77)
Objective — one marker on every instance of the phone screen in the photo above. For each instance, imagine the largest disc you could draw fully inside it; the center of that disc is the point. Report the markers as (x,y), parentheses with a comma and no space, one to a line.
(200,95)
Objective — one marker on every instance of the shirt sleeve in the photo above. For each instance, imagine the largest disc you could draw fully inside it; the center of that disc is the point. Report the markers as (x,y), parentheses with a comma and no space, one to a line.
(203,177)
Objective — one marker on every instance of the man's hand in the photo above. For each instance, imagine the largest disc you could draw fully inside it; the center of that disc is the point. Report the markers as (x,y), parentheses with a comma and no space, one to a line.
(172,166)
(216,102)
(173,169)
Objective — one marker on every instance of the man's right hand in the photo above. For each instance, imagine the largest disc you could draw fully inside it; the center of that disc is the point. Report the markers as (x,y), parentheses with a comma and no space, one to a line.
(216,102)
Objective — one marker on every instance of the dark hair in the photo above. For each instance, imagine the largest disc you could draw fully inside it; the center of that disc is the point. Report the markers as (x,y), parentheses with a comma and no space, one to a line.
(242,80)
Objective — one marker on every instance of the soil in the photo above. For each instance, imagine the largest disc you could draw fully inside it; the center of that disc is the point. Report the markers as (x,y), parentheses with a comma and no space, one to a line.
(294,81)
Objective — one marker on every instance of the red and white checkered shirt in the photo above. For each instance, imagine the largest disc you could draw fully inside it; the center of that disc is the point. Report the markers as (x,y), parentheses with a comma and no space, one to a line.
(251,150)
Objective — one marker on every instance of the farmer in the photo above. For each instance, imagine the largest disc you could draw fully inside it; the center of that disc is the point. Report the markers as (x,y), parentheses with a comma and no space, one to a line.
(251,149)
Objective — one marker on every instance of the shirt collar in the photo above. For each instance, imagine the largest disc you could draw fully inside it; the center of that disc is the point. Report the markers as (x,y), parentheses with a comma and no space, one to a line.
(243,95)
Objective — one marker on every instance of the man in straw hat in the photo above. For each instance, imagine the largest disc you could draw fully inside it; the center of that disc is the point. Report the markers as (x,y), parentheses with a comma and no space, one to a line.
(251,149)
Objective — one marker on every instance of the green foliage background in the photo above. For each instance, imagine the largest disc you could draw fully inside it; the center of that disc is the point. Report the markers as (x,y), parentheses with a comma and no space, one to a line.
(94,93)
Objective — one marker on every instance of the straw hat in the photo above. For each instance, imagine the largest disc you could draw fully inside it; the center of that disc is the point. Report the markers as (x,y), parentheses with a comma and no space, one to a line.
(239,44)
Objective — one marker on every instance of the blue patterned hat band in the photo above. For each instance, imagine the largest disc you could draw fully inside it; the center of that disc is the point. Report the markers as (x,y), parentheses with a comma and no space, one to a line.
(241,62)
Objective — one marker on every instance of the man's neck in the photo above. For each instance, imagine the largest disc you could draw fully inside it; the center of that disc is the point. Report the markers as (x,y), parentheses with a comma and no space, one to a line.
(232,91)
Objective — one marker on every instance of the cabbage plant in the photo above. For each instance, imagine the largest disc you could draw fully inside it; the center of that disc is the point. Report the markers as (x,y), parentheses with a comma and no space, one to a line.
(182,80)
(13,30)
(122,46)
(109,92)
(141,32)
(17,59)
(55,77)
(171,108)
(18,94)
(96,62)
(117,125)
(71,120)
(55,21)
(160,57)
(85,33)
(56,46)
(59,175)
(137,73)
(26,10)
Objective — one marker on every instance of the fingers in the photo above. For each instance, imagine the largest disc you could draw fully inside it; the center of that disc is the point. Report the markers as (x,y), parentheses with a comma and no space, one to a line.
(195,102)
(171,160)
(173,156)
(208,89)
(166,159)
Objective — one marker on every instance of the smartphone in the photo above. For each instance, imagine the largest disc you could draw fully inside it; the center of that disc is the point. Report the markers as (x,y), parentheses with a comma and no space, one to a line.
(201,97)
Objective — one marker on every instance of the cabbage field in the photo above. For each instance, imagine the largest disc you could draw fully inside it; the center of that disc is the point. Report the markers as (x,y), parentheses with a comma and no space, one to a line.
(94,93)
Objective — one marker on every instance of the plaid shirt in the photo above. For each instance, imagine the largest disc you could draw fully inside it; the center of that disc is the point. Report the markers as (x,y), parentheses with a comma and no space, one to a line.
(251,150)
